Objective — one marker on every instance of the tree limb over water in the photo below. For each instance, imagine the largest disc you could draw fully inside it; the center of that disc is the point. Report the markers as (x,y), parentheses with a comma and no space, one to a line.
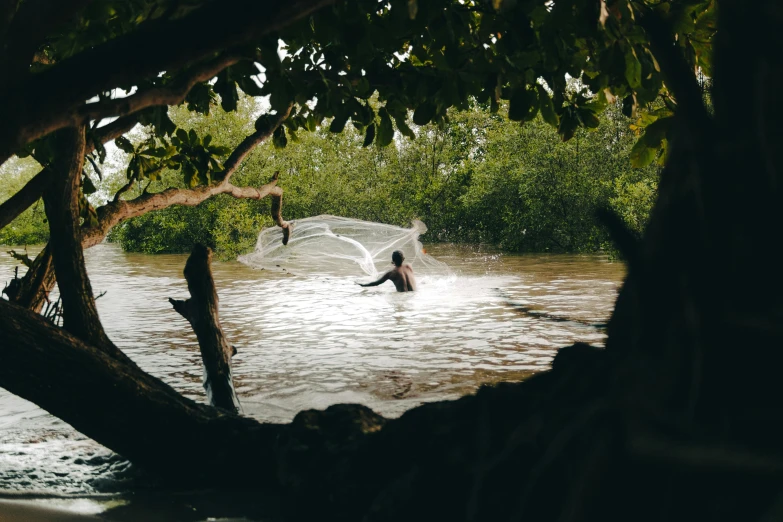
(201,311)
(166,45)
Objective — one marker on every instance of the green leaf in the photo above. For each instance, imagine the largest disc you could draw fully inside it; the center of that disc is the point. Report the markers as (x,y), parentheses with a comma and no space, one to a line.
(385,130)
(182,136)
(629,106)
(87,185)
(279,98)
(220,150)
(547,107)
(249,86)
(338,123)
(588,118)
(522,106)
(155,152)
(227,89)
(124,145)
(424,113)
(568,124)
(279,139)
(264,123)
(633,69)
(413,9)
(369,135)
(402,126)
(311,123)
(188,172)
(646,148)
(193,137)
(642,154)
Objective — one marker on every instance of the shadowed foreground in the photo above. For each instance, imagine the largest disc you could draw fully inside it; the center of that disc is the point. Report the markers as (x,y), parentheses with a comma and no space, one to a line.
(661,425)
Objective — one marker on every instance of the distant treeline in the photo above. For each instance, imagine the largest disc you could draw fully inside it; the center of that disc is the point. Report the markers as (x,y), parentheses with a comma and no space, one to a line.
(480,178)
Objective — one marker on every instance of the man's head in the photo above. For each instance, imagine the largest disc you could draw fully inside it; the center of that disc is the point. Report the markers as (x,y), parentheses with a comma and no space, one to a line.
(397,258)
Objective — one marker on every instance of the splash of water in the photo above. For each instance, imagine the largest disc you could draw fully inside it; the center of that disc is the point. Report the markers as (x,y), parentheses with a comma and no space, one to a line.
(342,246)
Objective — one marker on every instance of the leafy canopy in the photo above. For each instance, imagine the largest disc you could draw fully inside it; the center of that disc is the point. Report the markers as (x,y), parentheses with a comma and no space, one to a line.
(418,59)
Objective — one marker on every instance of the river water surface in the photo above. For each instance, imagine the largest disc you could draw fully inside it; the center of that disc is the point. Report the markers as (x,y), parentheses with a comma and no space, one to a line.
(309,341)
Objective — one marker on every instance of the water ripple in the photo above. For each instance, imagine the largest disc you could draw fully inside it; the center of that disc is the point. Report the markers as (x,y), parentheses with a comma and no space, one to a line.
(311,341)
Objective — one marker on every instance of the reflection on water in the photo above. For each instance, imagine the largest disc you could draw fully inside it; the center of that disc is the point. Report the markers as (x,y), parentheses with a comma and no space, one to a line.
(311,341)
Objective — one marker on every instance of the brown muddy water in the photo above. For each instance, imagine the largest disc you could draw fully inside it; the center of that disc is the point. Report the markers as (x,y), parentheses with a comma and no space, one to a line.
(304,341)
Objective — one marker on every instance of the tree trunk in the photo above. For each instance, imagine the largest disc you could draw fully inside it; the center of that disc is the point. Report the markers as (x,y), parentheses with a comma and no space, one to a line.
(117,404)
(201,311)
(62,203)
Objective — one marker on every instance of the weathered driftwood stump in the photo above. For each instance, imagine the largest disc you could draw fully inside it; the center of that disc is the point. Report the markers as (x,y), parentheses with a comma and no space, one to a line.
(201,311)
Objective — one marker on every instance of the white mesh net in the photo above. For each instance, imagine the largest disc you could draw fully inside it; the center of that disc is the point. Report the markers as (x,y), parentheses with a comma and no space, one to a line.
(338,245)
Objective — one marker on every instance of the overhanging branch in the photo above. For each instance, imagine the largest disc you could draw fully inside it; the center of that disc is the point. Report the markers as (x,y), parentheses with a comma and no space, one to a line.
(169,95)
(119,210)
(166,45)
(239,154)
(24,199)
(116,212)
(33,189)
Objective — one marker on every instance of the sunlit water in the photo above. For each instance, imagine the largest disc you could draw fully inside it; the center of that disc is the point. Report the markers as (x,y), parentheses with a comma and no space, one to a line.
(308,341)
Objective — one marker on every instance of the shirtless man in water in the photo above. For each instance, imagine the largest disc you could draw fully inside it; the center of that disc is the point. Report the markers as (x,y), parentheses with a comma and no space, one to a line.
(401,275)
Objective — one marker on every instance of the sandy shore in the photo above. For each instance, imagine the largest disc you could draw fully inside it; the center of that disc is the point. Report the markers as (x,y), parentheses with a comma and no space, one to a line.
(33,511)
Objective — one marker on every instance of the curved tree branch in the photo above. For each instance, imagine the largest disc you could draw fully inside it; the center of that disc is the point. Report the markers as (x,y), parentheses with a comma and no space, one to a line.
(33,190)
(679,77)
(24,199)
(126,409)
(118,210)
(112,131)
(167,45)
(170,95)
(239,154)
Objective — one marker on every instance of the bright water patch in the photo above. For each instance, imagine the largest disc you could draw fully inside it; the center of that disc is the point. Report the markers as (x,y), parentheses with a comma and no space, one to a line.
(309,340)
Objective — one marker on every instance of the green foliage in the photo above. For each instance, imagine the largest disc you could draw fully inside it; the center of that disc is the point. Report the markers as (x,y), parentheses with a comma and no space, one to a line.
(30,227)
(227,225)
(478,178)
(419,58)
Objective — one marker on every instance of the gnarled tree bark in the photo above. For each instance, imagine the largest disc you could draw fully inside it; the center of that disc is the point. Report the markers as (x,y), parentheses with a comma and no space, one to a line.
(61,201)
(201,311)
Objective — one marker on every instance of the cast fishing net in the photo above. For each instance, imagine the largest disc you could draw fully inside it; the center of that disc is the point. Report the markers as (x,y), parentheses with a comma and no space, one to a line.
(342,246)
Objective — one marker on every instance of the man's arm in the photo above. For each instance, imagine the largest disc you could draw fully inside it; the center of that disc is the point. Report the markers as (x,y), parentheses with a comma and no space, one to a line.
(383,279)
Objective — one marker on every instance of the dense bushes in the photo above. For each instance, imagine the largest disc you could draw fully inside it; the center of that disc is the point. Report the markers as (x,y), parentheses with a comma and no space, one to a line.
(227,225)
(481,178)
